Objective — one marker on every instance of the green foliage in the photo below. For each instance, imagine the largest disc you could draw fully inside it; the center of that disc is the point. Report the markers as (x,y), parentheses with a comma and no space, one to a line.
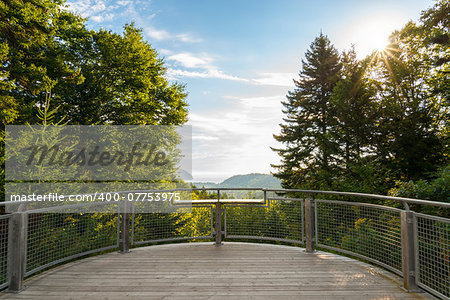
(96,76)
(54,236)
(354,110)
(364,176)
(374,234)
(91,77)
(34,60)
(408,142)
(277,221)
(124,82)
(197,222)
(436,189)
(156,226)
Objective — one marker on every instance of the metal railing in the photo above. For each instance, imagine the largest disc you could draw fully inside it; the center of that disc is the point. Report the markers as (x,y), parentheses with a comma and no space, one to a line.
(409,243)
(4,229)
(368,231)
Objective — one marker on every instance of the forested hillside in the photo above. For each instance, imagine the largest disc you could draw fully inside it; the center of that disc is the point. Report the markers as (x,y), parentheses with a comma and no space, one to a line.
(245,181)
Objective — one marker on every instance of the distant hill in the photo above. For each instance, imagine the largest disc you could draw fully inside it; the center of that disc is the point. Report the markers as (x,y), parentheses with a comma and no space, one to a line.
(254,180)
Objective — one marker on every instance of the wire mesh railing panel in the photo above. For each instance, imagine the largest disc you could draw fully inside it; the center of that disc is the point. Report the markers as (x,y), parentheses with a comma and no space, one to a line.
(194,223)
(280,220)
(433,254)
(56,237)
(4,233)
(368,231)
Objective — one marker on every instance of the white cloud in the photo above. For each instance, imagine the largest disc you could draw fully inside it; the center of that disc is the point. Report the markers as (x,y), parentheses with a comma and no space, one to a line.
(99,6)
(96,10)
(188,60)
(157,34)
(208,71)
(163,51)
(277,79)
(258,102)
(102,18)
(205,68)
(87,8)
(161,34)
(235,139)
(174,74)
(124,2)
(188,38)
(204,138)
(203,65)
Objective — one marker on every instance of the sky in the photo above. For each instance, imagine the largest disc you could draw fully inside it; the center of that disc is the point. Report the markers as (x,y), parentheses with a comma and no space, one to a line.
(238,60)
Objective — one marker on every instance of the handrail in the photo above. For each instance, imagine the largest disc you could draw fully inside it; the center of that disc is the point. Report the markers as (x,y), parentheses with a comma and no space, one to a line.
(312,223)
(338,193)
(380,197)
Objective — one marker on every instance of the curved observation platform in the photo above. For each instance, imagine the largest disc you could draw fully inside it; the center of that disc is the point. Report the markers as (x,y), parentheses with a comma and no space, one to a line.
(205,271)
(408,238)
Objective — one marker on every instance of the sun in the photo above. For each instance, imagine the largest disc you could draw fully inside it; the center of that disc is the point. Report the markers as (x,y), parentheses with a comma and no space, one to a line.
(379,42)
(373,37)
(372,33)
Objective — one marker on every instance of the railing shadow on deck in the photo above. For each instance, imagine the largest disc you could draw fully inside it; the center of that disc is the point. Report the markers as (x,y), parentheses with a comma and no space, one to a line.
(398,237)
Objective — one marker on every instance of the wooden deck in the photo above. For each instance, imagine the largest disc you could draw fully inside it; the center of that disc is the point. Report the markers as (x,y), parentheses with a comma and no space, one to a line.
(204,271)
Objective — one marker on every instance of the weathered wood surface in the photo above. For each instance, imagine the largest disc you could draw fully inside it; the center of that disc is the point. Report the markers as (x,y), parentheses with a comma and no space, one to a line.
(204,271)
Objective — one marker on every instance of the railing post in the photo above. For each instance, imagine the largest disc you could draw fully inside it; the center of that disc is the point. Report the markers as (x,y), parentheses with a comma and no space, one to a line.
(124,243)
(309,224)
(218,220)
(408,251)
(16,251)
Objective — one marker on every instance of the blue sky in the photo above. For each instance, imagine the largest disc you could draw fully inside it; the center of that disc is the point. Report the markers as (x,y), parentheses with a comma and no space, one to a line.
(238,59)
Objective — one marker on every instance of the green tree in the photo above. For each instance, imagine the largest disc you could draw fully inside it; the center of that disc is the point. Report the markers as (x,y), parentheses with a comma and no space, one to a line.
(356,113)
(33,59)
(306,131)
(435,36)
(434,190)
(124,83)
(92,77)
(407,133)
(354,107)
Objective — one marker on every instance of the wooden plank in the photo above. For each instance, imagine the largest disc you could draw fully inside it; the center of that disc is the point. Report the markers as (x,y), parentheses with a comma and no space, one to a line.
(202,271)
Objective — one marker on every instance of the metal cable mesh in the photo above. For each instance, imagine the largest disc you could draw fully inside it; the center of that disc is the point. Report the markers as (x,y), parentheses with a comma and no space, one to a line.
(55,237)
(367,231)
(281,220)
(4,228)
(194,223)
(433,251)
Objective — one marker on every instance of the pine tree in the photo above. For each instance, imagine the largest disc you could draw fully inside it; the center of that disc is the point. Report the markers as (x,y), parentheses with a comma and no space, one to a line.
(353,103)
(309,146)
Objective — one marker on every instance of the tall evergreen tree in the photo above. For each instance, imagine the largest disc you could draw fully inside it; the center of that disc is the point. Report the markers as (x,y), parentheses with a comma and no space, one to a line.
(309,144)
(353,104)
